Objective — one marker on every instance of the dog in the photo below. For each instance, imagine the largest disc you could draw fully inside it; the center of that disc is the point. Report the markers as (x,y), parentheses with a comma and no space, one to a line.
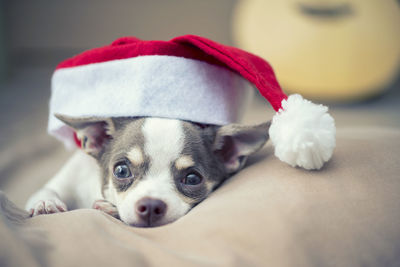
(146,171)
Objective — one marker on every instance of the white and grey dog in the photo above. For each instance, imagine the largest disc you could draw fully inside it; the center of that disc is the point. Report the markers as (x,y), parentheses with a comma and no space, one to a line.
(146,171)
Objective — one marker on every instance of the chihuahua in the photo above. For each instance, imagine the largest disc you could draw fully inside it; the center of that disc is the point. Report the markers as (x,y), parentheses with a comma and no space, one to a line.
(146,171)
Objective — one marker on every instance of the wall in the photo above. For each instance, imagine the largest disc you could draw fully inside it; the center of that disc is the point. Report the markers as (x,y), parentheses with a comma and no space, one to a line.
(42,32)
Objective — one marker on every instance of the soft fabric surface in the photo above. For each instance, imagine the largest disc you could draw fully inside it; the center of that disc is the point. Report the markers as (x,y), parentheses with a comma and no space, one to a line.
(270,214)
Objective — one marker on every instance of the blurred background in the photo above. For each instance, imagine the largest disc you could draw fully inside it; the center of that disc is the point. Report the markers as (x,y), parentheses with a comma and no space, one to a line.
(344,53)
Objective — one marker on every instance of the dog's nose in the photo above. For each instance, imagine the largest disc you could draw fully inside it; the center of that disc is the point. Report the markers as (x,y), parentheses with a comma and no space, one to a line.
(150,210)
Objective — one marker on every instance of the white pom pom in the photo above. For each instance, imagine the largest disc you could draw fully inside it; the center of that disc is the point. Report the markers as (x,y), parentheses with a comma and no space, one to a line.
(303,133)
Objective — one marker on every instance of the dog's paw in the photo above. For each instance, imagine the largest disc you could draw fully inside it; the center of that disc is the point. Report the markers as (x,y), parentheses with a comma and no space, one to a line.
(107,207)
(47,207)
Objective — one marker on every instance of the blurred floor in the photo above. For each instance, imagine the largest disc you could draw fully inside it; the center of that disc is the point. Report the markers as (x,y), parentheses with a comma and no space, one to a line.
(23,138)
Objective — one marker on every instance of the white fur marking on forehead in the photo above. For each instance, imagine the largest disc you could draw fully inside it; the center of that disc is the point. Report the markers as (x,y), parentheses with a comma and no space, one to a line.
(164,141)
(136,155)
(163,145)
(184,162)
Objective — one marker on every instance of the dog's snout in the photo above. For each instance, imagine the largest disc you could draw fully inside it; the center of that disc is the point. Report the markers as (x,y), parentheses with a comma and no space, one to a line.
(150,210)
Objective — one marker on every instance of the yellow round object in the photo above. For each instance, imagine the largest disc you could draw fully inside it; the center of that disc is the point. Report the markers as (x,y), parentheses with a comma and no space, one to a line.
(324,49)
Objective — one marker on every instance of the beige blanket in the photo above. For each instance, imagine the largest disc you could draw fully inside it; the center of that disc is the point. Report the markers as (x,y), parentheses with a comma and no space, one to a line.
(270,214)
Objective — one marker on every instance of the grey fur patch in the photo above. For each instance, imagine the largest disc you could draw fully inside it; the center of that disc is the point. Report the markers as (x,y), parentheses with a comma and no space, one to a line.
(234,143)
(93,132)
(198,145)
(127,135)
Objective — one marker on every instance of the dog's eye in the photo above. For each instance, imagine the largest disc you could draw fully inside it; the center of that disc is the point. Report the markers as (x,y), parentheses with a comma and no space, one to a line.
(121,171)
(192,179)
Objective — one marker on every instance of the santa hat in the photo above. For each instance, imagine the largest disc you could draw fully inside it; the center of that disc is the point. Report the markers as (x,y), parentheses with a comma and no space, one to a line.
(190,78)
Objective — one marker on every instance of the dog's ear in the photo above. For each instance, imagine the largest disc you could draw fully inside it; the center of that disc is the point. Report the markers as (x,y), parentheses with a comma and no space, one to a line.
(234,143)
(93,133)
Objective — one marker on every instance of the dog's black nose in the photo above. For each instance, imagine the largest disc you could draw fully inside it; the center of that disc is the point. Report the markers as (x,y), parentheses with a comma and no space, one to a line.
(150,210)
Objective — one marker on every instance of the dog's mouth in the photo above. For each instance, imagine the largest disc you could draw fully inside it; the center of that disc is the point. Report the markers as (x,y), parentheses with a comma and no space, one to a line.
(148,224)
(145,225)
(151,224)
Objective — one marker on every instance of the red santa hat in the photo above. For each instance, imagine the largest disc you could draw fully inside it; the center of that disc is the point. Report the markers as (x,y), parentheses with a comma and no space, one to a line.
(189,78)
